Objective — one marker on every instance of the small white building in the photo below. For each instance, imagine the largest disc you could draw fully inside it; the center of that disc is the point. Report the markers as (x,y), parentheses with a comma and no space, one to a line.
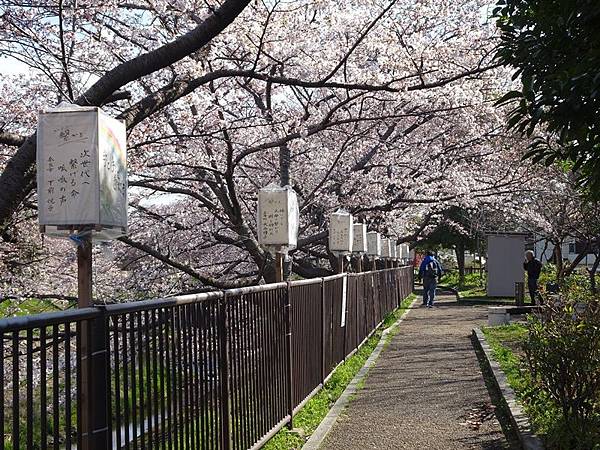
(544,251)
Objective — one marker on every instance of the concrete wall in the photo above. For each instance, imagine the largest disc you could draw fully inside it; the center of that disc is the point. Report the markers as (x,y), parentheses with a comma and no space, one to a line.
(506,254)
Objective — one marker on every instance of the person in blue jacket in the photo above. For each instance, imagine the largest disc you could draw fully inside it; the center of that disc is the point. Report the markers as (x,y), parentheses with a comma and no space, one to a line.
(430,272)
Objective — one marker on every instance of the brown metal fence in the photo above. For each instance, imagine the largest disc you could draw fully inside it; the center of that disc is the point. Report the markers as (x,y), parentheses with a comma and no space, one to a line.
(223,370)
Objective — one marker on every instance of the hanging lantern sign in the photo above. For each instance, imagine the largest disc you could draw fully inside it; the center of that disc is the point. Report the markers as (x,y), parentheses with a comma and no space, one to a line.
(405,251)
(341,232)
(373,243)
(399,251)
(385,248)
(81,173)
(278,218)
(359,243)
(393,253)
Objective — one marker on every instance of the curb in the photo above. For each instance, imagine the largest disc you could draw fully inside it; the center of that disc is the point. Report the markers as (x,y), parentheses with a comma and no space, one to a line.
(316,439)
(529,441)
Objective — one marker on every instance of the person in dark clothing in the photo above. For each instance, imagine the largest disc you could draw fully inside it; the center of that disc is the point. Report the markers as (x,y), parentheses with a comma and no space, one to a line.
(533,267)
(429,271)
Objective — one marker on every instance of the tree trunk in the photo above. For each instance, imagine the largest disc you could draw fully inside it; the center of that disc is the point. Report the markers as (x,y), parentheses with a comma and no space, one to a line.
(558,259)
(459,249)
(571,267)
(284,164)
(592,274)
(479,259)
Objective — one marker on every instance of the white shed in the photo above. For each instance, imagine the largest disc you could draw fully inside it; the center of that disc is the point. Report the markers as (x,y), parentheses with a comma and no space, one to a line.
(506,253)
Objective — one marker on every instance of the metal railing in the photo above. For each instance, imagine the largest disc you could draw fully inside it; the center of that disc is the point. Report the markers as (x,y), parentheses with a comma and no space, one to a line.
(223,370)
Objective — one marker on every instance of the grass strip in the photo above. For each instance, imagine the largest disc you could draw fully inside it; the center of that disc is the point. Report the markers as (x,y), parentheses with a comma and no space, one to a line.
(500,339)
(310,416)
(546,419)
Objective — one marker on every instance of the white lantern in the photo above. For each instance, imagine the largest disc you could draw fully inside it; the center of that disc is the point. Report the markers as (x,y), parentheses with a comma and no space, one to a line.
(341,232)
(359,243)
(81,172)
(399,251)
(405,251)
(385,248)
(393,253)
(278,217)
(373,243)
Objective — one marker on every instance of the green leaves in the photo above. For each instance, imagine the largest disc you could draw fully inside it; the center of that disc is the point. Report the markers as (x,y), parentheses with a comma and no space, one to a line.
(563,356)
(508,98)
(553,45)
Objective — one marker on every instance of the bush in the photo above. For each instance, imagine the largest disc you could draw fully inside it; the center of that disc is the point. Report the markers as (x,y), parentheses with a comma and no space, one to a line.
(548,275)
(578,280)
(563,355)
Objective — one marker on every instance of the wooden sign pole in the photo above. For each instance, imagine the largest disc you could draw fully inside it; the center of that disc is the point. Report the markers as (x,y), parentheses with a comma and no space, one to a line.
(84,300)
(279,257)
(84,273)
(341,263)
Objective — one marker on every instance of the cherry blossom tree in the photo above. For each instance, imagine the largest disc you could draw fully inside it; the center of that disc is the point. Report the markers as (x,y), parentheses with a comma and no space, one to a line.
(557,211)
(383,109)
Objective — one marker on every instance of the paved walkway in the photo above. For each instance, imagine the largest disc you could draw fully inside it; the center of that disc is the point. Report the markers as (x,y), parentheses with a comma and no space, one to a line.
(426,391)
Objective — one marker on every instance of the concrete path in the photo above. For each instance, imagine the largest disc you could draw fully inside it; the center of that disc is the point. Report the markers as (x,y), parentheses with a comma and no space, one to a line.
(426,391)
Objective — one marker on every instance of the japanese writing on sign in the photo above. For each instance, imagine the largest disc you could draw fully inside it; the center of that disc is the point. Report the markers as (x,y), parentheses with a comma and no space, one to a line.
(359,243)
(67,168)
(65,177)
(274,219)
(339,235)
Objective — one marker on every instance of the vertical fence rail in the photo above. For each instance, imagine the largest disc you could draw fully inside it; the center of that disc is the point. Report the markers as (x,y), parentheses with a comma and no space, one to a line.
(223,370)
(307,328)
(39,367)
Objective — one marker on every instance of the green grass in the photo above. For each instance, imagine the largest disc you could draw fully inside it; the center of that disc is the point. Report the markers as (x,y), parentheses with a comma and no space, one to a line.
(502,340)
(497,336)
(11,308)
(472,292)
(473,281)
(310,416)
(473,288)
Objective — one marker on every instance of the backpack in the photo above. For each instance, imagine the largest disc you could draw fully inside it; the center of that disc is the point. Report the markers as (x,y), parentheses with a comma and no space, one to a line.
(431,270)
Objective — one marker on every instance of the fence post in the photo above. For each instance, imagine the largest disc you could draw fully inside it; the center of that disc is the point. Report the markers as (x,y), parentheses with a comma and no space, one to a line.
(402,285)
(356,311)
(288,353)
(322,330)
(98,436)
(344,315)
(520,293)
(223,373)
(398,287)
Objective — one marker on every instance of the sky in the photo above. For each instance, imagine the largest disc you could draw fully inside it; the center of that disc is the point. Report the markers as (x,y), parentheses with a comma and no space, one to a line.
(10,66)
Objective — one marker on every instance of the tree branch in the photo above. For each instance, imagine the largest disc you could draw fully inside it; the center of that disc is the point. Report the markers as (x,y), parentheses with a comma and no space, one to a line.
(206,280)
(19,172)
